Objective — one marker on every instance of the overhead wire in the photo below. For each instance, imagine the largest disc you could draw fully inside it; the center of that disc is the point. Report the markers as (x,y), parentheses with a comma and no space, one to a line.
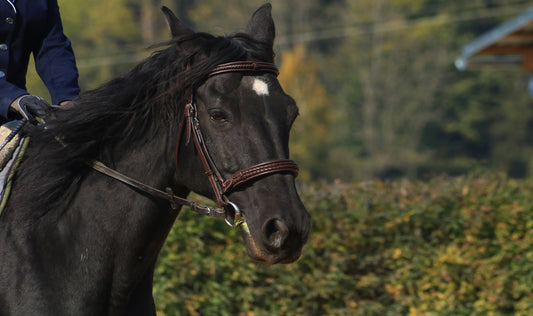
(398,25)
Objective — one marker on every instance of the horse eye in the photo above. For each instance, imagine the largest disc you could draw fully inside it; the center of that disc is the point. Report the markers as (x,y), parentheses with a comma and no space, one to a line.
(218,116)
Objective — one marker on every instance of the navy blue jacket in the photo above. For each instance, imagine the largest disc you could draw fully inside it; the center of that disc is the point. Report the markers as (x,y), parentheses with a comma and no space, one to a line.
(34,26)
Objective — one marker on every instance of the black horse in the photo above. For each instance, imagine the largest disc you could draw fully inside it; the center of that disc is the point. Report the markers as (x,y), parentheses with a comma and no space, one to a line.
(74,241)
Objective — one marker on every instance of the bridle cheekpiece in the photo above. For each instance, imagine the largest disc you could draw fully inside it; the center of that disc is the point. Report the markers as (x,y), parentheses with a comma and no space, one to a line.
(221,186)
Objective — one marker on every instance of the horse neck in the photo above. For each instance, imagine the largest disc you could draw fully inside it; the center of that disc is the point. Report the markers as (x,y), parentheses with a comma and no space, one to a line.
(107,233)
(137,224)
(131,217)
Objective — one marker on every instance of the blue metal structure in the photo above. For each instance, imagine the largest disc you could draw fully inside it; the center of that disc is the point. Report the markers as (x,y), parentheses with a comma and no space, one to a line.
(508,44)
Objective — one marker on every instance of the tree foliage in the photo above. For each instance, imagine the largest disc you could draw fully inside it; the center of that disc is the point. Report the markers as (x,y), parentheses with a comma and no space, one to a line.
(299,76)
(396,85)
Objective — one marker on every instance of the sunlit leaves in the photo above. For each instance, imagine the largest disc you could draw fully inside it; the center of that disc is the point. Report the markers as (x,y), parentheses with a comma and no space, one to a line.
(448,246)
(299,76)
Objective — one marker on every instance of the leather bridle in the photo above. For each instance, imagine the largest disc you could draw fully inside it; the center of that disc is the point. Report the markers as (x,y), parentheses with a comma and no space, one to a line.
(221,186)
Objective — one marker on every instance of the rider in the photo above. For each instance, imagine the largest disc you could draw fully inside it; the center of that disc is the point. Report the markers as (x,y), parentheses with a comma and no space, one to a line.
(34,26)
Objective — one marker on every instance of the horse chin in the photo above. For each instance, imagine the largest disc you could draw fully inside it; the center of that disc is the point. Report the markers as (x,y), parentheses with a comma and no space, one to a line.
(257,253)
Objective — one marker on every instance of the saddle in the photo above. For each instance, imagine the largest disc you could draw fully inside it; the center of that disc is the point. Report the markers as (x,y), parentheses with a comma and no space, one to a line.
(12,149)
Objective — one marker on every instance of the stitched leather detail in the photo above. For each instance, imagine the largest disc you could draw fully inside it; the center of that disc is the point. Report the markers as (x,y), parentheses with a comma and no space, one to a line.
(244,66)
(259,170)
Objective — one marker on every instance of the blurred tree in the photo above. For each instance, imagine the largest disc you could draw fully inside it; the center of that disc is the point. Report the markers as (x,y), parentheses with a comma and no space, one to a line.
(310,138)
(104,34)
(390,78)
(222,17)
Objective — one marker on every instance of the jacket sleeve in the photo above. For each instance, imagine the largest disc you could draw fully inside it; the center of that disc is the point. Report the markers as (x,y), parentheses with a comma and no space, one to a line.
(54,59)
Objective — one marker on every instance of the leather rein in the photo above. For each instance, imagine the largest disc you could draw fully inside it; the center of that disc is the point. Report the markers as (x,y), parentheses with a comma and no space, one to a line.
(221,186)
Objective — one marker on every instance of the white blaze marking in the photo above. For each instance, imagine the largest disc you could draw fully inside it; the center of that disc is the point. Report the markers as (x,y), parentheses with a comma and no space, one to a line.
(260,87)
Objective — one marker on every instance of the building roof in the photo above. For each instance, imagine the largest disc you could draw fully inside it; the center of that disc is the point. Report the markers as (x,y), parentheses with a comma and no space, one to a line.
(508,44)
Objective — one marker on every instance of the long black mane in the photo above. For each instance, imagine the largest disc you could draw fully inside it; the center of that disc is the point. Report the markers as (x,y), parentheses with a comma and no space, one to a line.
(126,112)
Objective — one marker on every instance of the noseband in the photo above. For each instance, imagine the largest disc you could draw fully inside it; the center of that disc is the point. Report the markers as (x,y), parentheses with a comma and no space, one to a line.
(221,186)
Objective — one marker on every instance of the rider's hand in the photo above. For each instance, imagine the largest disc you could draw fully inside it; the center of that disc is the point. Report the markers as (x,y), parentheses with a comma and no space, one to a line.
(32,108)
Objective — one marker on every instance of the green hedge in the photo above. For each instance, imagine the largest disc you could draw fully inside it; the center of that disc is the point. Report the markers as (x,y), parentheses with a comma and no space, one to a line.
(447,246)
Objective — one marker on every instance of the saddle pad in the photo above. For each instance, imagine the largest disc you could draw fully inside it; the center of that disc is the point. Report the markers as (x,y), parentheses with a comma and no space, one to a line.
(7,151)
(10,156)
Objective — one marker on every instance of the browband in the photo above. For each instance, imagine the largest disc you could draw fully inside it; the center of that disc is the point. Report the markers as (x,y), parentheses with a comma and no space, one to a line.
(244,66)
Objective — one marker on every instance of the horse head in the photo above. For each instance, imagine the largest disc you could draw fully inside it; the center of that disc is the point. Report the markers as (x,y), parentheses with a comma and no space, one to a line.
(240,118)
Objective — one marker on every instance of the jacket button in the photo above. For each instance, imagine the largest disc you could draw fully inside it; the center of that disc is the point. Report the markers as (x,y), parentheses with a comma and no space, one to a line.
(2,74)
(10,20)
(3,46)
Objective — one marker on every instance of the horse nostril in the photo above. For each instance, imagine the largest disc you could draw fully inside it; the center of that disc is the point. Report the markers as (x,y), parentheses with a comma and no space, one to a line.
(275,232)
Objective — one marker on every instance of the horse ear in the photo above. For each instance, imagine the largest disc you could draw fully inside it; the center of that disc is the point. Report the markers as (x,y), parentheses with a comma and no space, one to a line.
(261,25)
(177,28)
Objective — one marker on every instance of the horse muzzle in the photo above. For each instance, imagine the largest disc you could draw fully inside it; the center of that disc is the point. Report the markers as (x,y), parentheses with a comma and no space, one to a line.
(275,240)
